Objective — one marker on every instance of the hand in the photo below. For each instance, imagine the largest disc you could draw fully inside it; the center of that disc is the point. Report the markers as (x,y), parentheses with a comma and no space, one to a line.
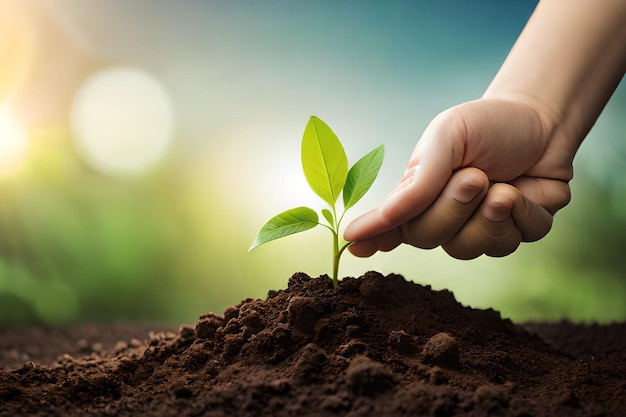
(485,176)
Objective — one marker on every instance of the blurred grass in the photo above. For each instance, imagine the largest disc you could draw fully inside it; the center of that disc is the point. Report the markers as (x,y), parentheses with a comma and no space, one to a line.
(77,245)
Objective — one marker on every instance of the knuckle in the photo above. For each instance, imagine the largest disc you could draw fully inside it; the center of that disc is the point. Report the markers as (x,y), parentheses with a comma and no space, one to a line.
(503,190)
(477,176)
(466,186)
(454,121)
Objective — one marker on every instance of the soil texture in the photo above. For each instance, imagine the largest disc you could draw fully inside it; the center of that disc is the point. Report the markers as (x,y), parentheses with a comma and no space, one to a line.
(375,346)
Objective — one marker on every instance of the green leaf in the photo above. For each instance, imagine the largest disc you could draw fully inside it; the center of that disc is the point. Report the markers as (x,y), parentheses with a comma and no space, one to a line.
(286,223)
(329,217)
(324,160)
(361,176)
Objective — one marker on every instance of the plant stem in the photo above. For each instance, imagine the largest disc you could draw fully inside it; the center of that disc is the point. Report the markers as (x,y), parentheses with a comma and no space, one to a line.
(336,256)
(337,252)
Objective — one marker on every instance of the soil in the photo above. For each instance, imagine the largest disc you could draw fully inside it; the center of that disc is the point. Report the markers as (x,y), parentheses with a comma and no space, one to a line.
(375,346)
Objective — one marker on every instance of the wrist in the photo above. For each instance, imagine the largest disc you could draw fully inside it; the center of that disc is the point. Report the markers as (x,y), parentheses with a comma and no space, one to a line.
(566,64)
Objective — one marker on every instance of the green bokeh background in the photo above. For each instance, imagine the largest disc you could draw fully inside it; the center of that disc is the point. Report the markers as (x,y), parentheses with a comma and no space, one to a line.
(78,245)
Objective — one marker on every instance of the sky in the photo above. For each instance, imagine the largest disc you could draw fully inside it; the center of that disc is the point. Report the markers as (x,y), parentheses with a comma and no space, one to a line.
(252,73)
(225,60)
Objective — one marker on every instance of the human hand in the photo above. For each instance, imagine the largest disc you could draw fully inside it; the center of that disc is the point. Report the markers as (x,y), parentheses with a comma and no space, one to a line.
(485,176)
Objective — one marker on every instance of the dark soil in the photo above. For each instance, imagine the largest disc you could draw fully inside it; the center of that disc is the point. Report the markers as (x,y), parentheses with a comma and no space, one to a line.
(375,346)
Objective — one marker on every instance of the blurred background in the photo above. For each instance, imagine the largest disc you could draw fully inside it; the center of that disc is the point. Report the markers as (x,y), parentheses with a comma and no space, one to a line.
(143,144)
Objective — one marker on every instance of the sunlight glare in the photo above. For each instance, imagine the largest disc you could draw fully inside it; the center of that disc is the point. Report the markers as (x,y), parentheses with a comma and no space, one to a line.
(122,121)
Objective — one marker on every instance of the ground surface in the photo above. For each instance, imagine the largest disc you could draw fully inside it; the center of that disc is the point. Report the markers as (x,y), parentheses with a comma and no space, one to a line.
(375,346)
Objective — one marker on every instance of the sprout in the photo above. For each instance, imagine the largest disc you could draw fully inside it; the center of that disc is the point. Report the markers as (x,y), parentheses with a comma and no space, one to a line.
(325,167)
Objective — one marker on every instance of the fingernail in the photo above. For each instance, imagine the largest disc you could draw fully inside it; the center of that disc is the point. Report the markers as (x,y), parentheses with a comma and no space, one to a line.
(407,179)
(465,192)
(496,214)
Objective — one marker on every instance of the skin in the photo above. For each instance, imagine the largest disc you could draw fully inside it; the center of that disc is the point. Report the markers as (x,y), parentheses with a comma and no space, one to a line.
(491,173)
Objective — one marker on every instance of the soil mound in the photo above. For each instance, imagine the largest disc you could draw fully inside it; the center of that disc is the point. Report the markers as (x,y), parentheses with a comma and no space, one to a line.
(374,346)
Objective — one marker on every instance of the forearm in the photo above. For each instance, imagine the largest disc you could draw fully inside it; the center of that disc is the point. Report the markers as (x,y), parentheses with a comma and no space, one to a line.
(566,63)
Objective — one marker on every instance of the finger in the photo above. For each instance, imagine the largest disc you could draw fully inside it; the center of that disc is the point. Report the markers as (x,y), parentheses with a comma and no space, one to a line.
(504,147)
(463,195)
(364,248)
(550,194)
(456,204)
(437,154)
(384,243)
(532,220)
(491,230)
(414,194)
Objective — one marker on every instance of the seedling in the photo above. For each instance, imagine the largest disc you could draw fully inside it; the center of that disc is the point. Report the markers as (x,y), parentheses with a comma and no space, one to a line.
(325,167)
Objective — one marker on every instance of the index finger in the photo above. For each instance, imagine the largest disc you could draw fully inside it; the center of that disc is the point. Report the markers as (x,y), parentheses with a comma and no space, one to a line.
(437,153)
(408,200)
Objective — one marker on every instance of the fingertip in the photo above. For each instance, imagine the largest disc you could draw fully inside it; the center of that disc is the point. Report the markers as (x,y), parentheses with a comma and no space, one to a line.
(363,249)
(367,225)
(354,230)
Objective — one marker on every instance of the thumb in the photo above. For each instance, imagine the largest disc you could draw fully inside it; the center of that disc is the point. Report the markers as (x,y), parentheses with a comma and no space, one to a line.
(439,151)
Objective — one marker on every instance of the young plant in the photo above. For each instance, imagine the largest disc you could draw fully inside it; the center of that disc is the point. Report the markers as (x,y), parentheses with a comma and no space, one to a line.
(325,167)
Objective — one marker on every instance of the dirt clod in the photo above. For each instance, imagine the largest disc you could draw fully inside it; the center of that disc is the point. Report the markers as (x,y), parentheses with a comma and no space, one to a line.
(368,377)
(375,346)
(402,342)
(443,350)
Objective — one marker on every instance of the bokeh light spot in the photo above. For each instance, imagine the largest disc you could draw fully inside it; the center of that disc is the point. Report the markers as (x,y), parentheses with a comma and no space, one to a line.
(13,142)
(122,121)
